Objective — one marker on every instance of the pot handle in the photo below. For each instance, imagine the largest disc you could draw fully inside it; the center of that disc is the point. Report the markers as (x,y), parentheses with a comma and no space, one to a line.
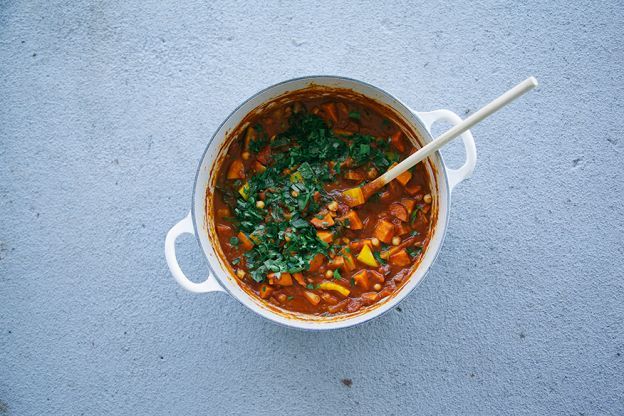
(186,227)
(455,176)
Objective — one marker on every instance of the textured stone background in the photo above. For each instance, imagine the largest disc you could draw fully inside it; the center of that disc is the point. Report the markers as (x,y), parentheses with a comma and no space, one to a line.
(105,110)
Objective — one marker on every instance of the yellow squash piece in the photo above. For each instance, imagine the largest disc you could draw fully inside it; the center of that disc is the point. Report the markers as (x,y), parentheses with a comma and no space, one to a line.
(244,191)
(296,177)
(366,257)
(354,197)
(335,287)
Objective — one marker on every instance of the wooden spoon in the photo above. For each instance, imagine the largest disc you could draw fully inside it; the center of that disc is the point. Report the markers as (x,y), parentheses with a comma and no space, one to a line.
(357,196)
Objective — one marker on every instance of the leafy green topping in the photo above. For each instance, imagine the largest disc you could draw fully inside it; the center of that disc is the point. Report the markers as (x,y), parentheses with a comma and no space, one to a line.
(354,115)
(414,251)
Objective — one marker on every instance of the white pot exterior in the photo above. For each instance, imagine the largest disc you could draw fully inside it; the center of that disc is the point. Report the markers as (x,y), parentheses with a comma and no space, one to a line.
(220,278)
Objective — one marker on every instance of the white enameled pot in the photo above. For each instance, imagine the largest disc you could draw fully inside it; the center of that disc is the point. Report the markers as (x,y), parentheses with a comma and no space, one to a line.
(220,277)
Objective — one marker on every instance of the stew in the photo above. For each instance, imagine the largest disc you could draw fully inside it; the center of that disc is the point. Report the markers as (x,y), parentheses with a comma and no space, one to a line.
(281,221)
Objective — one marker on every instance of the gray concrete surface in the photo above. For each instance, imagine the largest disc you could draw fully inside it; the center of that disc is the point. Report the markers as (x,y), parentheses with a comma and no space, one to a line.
(105,109)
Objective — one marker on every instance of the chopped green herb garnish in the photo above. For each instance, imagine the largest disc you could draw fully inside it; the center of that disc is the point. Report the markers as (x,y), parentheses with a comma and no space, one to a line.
(337,274)
(354,115)
(414,251)
(310,286)
(234,241)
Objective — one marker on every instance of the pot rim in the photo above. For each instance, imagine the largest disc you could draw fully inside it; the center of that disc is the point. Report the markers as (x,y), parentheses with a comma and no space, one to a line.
(368,315)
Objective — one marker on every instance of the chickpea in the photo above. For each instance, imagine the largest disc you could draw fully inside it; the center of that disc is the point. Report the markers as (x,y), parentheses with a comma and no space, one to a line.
(427,199)
(377,287)
(287,238)
(375,242)
(329,274)
(246,155)
(333,206)
(346,240)
(294,194)
(240,273)
(396,241)
(282,297)
(260,204)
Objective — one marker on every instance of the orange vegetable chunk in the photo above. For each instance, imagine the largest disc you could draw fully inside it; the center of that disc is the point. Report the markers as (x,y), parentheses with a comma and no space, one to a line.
(400,258)
(409,204)
(265,291)
(355,223)
(316,262)
(325,222)
(404,177)
(282,279)
(361,279)
(384,231)
(299,278)
(397,141)
(313,298)
(326,236)
(245,241)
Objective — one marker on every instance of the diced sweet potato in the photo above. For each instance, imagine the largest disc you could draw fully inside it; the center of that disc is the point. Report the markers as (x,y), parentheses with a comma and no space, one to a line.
(265,291)
(316,262)
(404,177)
(236,170)
(354,175)
(361,279)
(400,258)
(369,297)
(326,236)
(336,263)
(401,228)
(325,222)
(352,220)
(399,211)
(409,204)
(258,167)
(366,257)
(299,278)
(313,298)
(330,110)
(349,262)
(397,141)
(282,279)
(375,276)
(245,243)
(357,245)
(354,197)
(384,231)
